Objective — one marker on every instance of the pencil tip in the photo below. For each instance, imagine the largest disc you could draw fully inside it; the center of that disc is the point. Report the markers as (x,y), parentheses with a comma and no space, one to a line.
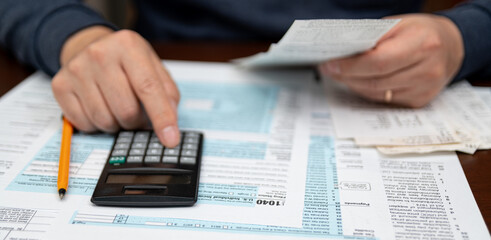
(61,192)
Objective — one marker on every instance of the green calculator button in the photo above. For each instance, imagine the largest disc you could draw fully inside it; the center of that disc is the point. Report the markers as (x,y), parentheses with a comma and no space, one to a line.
(117,160)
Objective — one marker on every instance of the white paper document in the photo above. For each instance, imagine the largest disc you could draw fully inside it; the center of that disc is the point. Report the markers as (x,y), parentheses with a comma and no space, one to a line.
(372,123)
(405,197)
(457,120)
(27,112)
(309,42)
(25,223)
(272,169)
(484,93)
(252,153)
(468,114)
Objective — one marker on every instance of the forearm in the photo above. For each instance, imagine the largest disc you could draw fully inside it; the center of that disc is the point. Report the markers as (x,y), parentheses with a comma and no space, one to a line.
(35,31)
(474,20)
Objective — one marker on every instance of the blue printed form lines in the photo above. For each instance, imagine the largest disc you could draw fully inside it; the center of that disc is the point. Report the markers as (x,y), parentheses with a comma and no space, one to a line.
(227,195)
(40,174)
(321,217)
(227,106)
(235,149)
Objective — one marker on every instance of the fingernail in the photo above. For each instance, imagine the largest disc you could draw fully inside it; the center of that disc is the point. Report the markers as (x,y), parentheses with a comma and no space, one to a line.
(171,136)
(333,67)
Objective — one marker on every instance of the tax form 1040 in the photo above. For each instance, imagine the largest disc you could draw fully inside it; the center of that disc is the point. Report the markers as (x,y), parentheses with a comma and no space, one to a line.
(272,169)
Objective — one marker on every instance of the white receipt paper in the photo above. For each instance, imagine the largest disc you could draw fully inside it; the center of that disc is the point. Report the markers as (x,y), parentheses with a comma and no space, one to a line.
(309,42)
(457,120)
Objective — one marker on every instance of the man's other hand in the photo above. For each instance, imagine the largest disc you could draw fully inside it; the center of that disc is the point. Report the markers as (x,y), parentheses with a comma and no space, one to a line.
(414,61)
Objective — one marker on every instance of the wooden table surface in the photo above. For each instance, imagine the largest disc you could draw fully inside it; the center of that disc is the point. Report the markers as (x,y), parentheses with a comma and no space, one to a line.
(477,167)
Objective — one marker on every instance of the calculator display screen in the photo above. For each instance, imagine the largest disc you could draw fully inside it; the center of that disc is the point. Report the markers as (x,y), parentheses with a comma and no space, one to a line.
(148,179)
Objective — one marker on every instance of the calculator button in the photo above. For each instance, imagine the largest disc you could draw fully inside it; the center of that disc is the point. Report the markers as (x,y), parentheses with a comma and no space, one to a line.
(134,159)
(169,159)
(152,159)
(137,151)
(171,152)
(116,160)
(190,140)
(189,153)
(188,160)
(192,134)
(154,139)
(154,151)
(119,152)
(142,134)
(141,141)
(178,148)
(155,145)
(121,145)
(126,134)
(138,145)
(189,146)
(123,140)
(141,137)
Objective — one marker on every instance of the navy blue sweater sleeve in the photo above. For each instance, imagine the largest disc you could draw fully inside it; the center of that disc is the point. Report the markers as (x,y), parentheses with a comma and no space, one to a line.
(474,22)
(35,31)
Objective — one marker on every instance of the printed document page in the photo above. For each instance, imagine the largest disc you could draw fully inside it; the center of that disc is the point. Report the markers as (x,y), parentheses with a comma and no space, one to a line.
(405,197)
(411,196)
(469,115)
(255,149)
(27,112)
(346,192)
(484,93)
(351,193)
(457,120)
(468,110)
(308,42)
(372,123)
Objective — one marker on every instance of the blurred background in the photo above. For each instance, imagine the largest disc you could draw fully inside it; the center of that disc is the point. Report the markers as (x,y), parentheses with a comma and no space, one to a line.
(123,14)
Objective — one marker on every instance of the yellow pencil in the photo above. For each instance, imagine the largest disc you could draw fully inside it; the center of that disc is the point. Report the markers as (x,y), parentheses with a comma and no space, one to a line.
(64,165)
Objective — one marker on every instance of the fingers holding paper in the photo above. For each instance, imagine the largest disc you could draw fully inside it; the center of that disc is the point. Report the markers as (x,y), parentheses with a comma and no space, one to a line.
(116,80)
(413,62)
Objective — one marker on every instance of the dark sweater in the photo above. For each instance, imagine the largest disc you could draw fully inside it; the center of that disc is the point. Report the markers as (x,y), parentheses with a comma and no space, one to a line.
(36,30)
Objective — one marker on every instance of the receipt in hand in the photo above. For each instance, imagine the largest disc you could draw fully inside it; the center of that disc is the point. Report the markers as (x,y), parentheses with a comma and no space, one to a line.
(309,42)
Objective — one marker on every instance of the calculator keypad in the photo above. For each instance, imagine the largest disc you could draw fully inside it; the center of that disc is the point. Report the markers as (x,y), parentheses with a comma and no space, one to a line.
(135,159)
(144,147)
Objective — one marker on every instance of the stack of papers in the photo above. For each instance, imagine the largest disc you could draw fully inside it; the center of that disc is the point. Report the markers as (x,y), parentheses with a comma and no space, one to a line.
(272,169)
(309,42)
(457,120)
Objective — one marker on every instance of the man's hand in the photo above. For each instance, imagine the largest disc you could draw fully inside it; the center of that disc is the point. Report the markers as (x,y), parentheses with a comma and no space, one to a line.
(414,60)
(110,79)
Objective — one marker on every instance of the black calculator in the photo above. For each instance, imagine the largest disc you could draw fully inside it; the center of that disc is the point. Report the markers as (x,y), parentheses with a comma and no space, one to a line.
(140,172)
